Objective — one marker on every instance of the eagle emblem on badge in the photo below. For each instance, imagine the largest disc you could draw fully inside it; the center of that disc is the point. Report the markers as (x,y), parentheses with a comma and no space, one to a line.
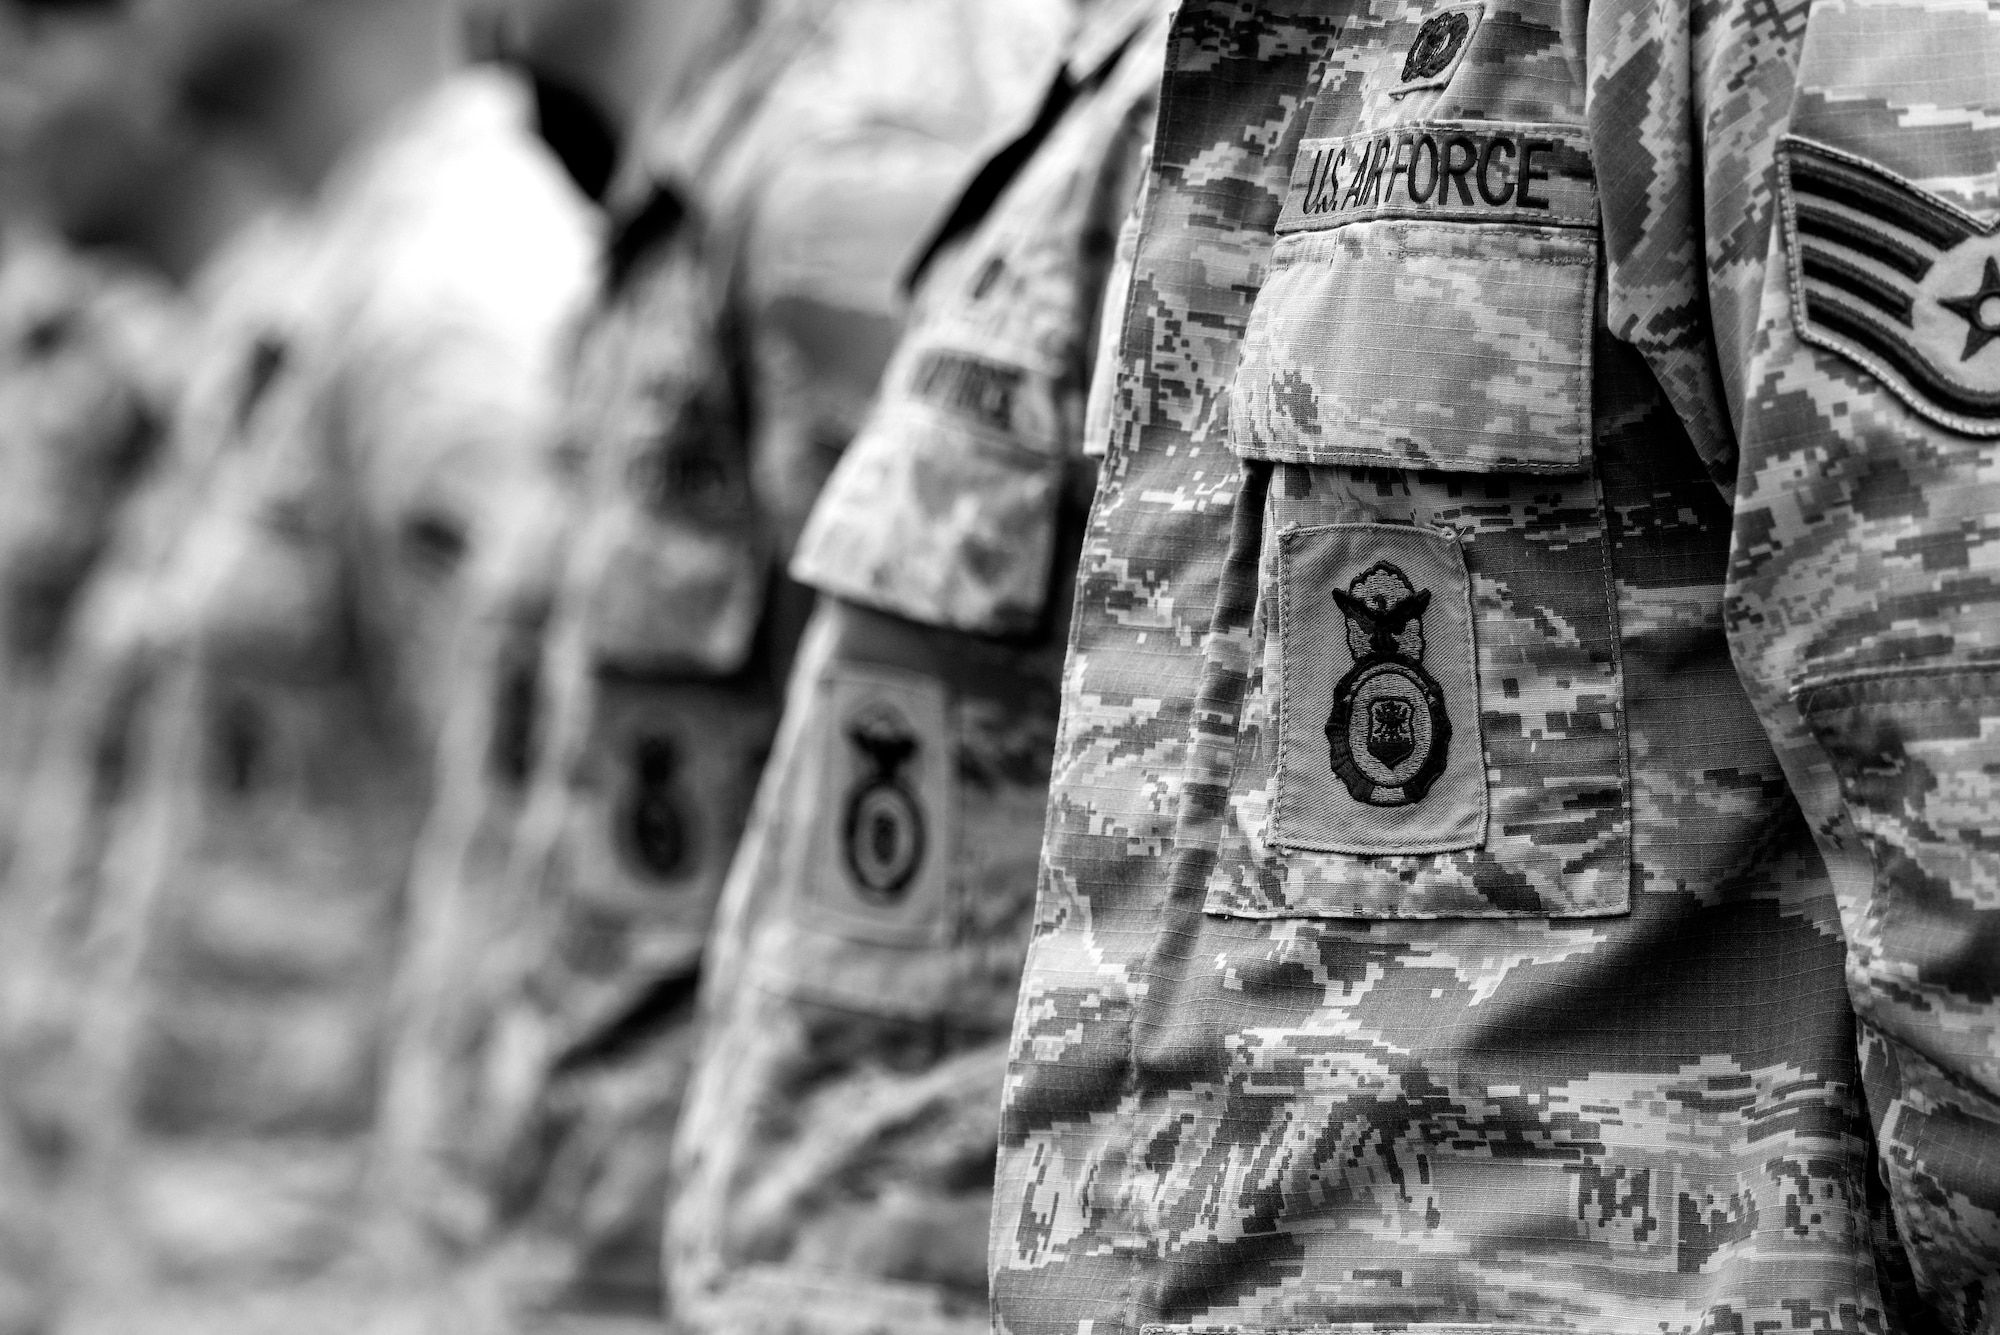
(883,833)
(1896,280)
(1389,734)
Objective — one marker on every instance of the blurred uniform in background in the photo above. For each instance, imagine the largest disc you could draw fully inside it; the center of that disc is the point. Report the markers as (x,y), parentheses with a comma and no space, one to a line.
(108,208)
(86,378)
(833,1165)
(345,479)
(450,1158)
(91,362)
(750,304)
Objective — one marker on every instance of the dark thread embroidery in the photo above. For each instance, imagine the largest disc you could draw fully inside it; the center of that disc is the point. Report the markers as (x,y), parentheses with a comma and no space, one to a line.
(1389,735)
(1983,320)
(984,391)
(1437,44)
(655,827)
(1897,280)
(884,829)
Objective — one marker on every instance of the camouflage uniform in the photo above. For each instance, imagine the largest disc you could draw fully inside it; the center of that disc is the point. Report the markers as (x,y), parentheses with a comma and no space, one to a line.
(833,1163)
(90,364)
(88,370)
(296,597)
(736,343)
(1437,928)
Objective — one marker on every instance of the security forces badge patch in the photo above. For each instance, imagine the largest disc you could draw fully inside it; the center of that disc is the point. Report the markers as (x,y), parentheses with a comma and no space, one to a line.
(883,835)
(1390,730)
(878,861)
(1896,280)
(1379,722)
(654,827)
(1438,49)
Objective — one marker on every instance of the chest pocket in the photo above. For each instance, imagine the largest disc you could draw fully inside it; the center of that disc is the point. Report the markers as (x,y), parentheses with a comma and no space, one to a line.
(1434,720)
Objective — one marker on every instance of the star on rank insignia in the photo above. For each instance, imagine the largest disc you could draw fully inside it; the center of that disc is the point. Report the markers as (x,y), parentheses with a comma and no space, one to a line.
(1389,734)
(1896,280)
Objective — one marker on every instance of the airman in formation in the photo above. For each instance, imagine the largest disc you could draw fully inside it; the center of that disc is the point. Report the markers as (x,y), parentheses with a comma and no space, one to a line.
(903,667)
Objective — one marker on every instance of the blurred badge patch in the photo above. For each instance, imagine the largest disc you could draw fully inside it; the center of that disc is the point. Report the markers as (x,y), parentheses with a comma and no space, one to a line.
(879,868)
(1379,750)
(653,826)
(883,835)
(1898,281)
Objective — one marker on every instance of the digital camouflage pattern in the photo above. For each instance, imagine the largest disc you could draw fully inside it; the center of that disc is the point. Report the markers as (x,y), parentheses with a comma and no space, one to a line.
(749,304)
(997,363)
(833,1166)
(289,614)
(1600,1073)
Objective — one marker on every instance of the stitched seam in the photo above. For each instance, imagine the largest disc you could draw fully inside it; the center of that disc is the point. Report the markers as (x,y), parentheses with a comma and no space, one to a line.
(1619,720)
(1284,709)
(1467,214)
(1868,676)
(1833,706)
(1407,249)
(1345,454)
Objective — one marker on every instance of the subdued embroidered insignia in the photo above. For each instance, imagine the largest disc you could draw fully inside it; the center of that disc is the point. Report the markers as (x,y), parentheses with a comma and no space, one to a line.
(1898,281)
(1389,733)
(1437,42)
(654,827)
(1378,705)
(1439,47)
(879,817)
(883,832)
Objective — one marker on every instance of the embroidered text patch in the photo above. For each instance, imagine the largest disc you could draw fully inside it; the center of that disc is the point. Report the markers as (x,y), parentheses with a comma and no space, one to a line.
(1380,750)
(1896,280)
(1467,171)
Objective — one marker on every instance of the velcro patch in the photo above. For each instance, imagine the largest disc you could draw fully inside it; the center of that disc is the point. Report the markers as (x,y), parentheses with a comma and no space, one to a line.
(879,867)
(1381,750)
(1459,171)
(1438,49)
(1900,282)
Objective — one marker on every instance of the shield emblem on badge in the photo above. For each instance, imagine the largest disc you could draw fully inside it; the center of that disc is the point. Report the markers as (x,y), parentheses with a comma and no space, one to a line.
(1389,735)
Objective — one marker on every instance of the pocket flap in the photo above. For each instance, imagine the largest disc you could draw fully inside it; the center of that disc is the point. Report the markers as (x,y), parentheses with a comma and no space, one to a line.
(937,513)
(1423,345)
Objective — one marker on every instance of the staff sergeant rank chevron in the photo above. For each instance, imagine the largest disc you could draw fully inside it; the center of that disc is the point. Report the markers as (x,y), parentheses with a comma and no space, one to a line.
(1897,281)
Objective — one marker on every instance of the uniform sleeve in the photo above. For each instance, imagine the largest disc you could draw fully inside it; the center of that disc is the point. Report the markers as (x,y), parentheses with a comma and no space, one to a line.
(1799,221)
